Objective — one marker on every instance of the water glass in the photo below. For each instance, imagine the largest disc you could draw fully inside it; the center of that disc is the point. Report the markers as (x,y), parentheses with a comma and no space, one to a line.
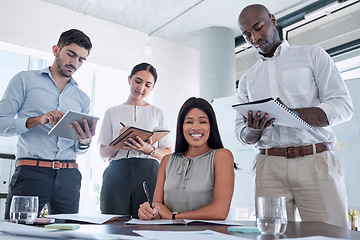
(271,217)
(24,209)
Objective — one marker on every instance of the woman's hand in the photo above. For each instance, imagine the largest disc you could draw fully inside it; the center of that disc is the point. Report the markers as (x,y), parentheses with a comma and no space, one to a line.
(164,212)
(139,145)
(145,212)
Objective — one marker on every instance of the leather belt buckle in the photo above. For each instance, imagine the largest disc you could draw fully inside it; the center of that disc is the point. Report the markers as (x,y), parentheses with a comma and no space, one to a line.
(287,152)
(53,164)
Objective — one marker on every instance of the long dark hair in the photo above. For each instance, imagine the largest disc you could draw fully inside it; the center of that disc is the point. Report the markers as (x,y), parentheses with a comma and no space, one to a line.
(144,67)
(214,141)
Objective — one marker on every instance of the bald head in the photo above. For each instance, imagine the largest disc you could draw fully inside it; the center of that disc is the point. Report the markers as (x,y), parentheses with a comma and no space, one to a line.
(251,10)
(257,26)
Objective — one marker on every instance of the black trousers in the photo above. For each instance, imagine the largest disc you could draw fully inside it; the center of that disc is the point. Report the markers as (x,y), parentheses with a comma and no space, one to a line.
(59,188)
(122,190)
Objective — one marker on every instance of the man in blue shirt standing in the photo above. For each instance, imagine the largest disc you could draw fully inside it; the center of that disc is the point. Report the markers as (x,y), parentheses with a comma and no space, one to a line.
(33,102)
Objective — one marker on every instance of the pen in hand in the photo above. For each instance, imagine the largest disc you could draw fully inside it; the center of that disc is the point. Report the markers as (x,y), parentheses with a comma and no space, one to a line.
(122,124)
(147,193)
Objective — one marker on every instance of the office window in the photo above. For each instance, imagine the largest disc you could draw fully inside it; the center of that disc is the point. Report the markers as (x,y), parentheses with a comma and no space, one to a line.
(111,88)
(10,64)
(349,68)
(105,86)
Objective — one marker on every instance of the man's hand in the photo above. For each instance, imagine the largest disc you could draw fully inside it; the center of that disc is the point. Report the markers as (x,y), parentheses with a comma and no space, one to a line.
(255,125)
(48,118)
(257,122)
(84,135)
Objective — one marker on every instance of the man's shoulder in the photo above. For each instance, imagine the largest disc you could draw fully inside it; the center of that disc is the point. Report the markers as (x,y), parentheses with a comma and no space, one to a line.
(25,76)
(304,48)
(28,73)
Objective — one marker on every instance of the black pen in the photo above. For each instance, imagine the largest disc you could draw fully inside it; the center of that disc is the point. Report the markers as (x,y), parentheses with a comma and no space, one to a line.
(147,193)
(122,124)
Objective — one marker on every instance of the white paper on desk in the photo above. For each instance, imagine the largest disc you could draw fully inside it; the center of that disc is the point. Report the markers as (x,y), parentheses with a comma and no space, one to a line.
(89,218)
(181,235)
(181,221)
(92,236)
(155,222)
(315,238)
(219,222)
(23,230)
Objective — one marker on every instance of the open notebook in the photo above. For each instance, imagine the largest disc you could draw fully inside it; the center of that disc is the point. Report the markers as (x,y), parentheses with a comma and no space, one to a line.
(132,132)
(283,115)
(182,221)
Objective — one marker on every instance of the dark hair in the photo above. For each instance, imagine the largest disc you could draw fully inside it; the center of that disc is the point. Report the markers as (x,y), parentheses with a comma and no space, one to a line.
(144,67)
(214,140)
(74,36)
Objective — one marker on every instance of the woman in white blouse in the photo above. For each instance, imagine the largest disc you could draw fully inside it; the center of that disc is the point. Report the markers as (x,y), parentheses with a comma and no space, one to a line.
(122,191)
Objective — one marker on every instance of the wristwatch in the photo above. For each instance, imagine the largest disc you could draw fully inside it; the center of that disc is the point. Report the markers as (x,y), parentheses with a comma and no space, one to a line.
(174,213)
(83,147)
(153,151)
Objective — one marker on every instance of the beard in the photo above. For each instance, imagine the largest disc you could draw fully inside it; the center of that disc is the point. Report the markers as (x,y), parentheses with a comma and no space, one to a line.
(63,68)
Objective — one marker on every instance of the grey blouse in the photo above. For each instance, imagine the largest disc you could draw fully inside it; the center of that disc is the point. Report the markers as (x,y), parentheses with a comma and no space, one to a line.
(189,182)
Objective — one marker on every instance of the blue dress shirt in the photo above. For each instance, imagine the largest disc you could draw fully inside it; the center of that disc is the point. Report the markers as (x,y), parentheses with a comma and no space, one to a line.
(34,93)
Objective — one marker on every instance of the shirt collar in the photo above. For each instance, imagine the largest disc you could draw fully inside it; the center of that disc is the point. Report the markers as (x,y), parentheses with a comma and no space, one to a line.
(281,49)
(47,71)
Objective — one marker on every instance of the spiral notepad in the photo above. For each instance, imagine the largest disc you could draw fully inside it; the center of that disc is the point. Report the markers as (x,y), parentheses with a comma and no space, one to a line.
(283,115)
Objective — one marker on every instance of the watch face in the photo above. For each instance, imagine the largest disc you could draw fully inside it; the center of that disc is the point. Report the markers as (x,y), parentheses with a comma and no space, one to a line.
(174,214)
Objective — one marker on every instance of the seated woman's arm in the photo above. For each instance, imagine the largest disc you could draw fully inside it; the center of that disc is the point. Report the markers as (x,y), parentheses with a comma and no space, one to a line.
(161,152)
(145,212)
(222,195)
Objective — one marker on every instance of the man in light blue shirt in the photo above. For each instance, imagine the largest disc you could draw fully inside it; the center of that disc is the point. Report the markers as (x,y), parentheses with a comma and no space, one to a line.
(33,102)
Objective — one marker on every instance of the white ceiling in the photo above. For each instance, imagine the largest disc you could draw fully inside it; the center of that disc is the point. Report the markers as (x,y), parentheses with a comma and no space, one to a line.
(175,20)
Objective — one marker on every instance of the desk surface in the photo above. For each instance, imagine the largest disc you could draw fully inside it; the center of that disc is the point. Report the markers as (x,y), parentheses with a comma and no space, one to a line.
(294,229)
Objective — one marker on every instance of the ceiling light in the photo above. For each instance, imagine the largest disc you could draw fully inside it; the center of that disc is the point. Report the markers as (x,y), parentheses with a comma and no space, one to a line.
(327,10)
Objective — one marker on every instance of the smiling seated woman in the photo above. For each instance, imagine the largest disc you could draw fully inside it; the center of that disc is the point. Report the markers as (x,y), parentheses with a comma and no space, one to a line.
(197,181)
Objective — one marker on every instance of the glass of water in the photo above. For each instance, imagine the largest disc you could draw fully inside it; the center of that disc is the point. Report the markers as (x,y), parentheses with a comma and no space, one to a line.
(271,217)
(24,209)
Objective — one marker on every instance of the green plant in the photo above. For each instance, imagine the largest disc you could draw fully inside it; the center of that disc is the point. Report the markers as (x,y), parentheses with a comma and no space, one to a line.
(353,213)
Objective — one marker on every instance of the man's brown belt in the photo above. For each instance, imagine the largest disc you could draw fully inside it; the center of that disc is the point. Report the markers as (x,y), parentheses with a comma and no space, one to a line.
(293,152)
(48,164)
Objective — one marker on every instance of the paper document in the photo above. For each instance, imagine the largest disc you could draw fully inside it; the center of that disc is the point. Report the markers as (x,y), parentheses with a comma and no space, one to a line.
(283,115)
(181,235)
(89,218)
(155,221)
(62,128)
(15,231)
(182,221)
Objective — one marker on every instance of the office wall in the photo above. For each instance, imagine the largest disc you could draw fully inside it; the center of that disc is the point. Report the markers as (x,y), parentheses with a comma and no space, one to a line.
(36,24)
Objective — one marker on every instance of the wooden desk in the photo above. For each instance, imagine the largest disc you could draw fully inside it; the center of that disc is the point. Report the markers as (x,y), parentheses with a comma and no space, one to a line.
(294,229)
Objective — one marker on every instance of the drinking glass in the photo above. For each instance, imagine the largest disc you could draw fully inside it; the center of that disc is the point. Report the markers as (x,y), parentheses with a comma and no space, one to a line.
(271,217)
(24,209)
